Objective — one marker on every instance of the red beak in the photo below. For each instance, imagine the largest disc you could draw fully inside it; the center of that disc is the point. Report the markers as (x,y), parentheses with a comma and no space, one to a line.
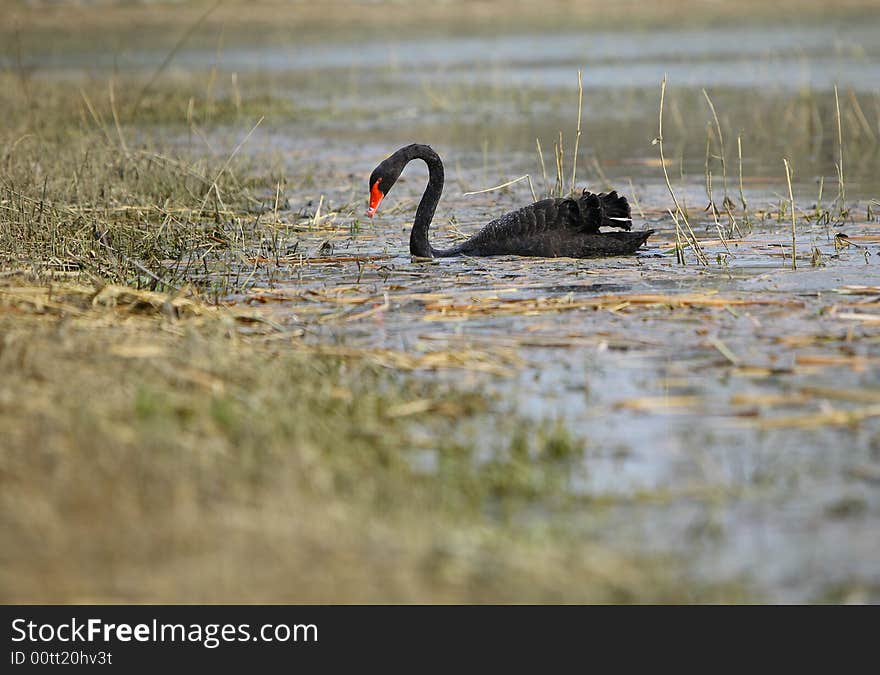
(376,196)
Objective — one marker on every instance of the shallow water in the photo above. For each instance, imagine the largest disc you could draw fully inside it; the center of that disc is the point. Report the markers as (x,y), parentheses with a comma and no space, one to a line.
(679,404)
(715,415)
(711,430)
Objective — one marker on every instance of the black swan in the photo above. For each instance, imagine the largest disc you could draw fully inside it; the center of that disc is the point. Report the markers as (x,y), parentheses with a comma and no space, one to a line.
(560,227)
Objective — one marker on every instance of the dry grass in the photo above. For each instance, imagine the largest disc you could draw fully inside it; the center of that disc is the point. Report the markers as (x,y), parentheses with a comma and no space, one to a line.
(158,455)
(83,194)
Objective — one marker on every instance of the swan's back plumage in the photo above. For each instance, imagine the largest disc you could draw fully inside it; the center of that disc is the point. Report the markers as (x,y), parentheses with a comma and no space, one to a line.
(560,227)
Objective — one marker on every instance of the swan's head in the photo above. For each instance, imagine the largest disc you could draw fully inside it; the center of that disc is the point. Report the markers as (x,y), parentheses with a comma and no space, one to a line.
(383,178)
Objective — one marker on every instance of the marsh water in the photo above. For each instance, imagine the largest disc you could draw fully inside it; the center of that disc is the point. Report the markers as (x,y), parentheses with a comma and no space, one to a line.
(729,410)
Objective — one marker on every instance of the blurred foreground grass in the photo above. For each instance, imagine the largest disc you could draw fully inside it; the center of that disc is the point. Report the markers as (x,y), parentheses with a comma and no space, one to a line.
(159,450)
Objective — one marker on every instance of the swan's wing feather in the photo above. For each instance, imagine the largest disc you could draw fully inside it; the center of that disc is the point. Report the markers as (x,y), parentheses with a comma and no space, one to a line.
(551,227)
(536,219)
(533,227)
(586,214)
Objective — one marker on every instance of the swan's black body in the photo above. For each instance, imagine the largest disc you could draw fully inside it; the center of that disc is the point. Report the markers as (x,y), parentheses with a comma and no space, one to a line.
(562,227)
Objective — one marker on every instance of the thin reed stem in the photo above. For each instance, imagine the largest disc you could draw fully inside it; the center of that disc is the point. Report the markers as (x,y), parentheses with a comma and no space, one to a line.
(116,117)
(698,251)
(841,194)
(742,193)
(791,205)
(720,143)
(543,166)
(577,138)
(503,185)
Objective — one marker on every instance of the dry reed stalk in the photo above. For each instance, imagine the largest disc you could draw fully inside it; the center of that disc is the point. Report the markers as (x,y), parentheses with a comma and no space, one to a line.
(635,199)
(841,183)
(866,396)
(712,207)
(168,58)
(498,363)
(724,350)
(858,316)
(455,311)
(708,243)
(659,403)
(860,116)
(543,166)
(116,117)
(814,420)
(742,194)
(856,362)
(526,177)
(679,249)
(793,217)
(577,138)
(701,258)
(720,143)
(708,173)
(606,184)
(769,400)
(96,116)
(560,166)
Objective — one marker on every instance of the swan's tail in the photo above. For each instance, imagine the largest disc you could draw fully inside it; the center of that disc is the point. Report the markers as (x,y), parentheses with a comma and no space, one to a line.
(615,210)
(604,210)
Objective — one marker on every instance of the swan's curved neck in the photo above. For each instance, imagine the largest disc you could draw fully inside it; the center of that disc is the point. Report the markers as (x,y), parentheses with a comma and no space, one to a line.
(418,238)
